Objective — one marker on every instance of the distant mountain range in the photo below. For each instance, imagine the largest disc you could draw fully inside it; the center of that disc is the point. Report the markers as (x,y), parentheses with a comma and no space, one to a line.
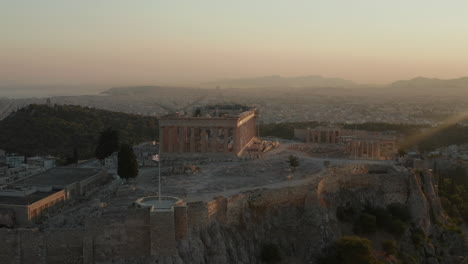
(279,81)
(323,85)
(419,86)
(432,86)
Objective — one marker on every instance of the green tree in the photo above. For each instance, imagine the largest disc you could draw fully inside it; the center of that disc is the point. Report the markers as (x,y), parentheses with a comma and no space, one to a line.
(366,224)
(401,152)
(390,247)
(127,164)
(293,161)
(108,143)
(355,250)
(349,250)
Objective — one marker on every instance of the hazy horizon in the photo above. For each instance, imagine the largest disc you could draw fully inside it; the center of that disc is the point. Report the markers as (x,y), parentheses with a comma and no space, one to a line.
(120,43)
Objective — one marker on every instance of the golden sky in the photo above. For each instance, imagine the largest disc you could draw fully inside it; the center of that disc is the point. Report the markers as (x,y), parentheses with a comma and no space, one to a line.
(123,42)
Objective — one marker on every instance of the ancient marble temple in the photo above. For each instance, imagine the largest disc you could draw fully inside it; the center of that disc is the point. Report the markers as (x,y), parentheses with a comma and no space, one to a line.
(220,129)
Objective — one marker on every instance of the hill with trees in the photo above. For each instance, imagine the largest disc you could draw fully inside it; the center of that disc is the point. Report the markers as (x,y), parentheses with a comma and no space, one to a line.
(60,129)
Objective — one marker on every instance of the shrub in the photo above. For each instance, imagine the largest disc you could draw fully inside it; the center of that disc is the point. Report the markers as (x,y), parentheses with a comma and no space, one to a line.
(383,217)
(400,211)
(270,253)
(366,224)
(397,227)
(453,228)
(293,161)
(354,250)
(418,236)
(345,214)
(390,247)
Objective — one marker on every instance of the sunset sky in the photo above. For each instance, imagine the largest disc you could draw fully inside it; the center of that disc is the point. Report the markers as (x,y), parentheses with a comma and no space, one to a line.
(124,42)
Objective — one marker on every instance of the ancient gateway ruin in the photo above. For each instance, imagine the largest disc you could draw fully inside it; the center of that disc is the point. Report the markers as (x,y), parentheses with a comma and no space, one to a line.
(220,129)
(359,144)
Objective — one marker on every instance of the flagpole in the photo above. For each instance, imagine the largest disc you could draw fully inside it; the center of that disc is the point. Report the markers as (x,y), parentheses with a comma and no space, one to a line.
(159,180)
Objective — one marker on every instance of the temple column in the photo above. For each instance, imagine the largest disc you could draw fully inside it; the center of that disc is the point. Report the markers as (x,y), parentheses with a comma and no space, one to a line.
(203,140)
(192,139)
(170,141)
(235,141)
(367,149)
(181,139)
(226,139)
(373,150)
(175,138)
(378,151)
(214,139)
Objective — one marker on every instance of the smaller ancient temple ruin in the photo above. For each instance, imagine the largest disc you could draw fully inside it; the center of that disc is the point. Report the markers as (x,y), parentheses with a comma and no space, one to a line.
(359,144)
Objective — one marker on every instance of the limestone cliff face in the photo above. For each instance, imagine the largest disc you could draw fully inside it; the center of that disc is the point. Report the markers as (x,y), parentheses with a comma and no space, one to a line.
(302,220)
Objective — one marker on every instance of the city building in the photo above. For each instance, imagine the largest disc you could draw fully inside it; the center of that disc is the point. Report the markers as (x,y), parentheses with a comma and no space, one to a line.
(15,161)
(220,129)
(28,198)
(41,162)
(145,151)
(111,161)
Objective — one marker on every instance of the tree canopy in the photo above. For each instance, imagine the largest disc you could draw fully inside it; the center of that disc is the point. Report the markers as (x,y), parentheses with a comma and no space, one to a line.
(57,130)
(108,143)
(349,250)
(127,164)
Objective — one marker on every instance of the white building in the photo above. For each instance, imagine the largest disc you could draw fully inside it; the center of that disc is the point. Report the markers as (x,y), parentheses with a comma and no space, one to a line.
(42,162)
(111,161)
(144,153)
(15,161)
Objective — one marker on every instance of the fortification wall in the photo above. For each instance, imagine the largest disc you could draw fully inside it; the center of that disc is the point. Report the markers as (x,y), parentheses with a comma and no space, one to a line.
(63,245)
(162,230)
(181,222)
(197,214)
(9,246)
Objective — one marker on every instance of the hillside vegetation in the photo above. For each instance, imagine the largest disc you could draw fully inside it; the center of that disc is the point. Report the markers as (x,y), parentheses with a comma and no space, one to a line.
(58,130)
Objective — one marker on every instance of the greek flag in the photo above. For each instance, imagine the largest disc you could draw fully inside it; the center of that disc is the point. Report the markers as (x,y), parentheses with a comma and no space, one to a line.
(156,157)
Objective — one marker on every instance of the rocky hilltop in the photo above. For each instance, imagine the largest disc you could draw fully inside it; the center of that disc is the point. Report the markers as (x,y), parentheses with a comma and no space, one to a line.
(385,214)
(297,224)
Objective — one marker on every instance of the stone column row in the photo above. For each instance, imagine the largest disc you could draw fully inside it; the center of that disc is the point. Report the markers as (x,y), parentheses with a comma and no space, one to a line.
(368,149)
(315,136)
(177,139)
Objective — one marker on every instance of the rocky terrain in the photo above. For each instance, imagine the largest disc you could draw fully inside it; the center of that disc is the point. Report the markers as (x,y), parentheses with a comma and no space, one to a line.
(301,221)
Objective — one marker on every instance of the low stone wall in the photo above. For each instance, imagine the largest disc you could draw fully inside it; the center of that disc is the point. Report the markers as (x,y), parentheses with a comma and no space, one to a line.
(197,214)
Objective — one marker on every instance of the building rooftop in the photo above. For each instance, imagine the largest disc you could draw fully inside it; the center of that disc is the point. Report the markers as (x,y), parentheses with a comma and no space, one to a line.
(28,199)
(214,111)
(59,177)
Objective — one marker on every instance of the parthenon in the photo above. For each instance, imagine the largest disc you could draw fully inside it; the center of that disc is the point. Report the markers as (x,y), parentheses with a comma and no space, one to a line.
(222,129)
